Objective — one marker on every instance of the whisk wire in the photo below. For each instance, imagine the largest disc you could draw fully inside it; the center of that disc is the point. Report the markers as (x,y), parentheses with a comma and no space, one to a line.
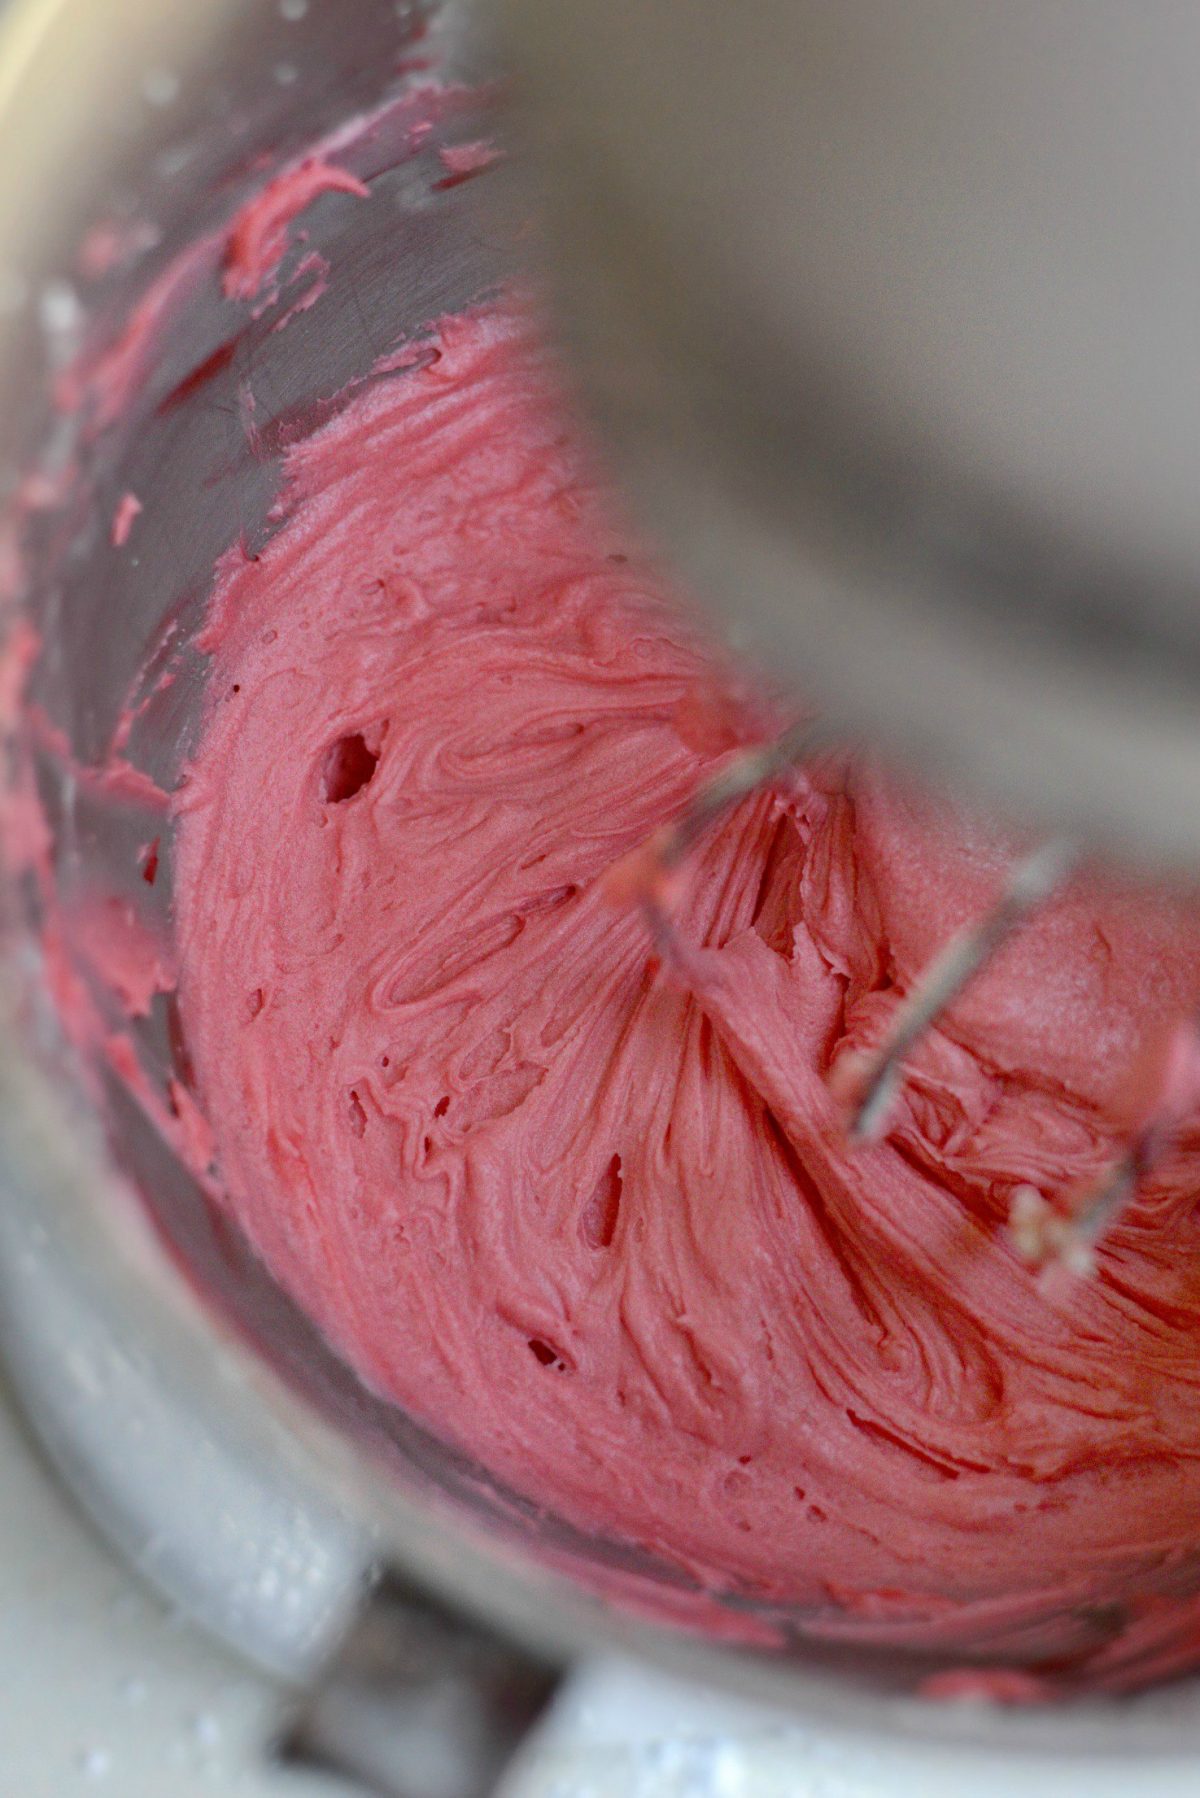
(868,1083)
(878,1079)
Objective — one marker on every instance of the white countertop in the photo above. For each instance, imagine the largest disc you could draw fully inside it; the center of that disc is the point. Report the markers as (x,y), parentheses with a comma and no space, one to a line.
(105,1690)
(102,1689)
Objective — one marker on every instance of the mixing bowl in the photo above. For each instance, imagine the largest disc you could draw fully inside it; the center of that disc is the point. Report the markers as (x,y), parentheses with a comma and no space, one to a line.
(196,1411)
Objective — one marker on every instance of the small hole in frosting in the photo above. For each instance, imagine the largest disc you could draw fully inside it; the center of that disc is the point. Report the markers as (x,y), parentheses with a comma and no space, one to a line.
(547,1355)
(358,1117)
(349,765)
(603,1209)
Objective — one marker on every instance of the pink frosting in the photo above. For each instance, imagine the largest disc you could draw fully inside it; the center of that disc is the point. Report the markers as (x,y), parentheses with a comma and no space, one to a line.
(128,511)
(259,236)
(597,1222)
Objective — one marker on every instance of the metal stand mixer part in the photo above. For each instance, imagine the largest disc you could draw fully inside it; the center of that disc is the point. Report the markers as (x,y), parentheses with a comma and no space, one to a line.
(890,315)
(867,1082)
(890,312)
(421,1702)
(1031,882)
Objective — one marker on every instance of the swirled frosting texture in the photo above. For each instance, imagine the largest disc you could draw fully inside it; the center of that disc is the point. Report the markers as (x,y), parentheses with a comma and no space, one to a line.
(599,1225)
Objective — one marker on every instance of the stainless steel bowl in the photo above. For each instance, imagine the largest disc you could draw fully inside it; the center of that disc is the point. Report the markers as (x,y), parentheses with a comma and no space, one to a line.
(196,1411)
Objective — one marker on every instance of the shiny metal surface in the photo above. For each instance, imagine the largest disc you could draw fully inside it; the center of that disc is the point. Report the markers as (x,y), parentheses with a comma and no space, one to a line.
(891,311)
(258,1405)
